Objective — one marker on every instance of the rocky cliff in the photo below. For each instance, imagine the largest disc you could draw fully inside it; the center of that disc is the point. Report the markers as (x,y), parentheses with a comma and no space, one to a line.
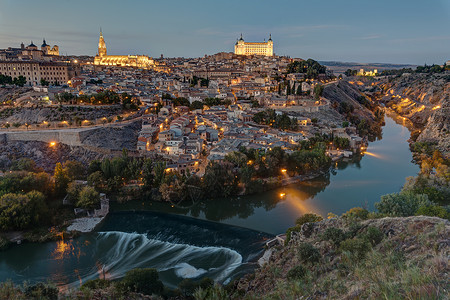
(425,100)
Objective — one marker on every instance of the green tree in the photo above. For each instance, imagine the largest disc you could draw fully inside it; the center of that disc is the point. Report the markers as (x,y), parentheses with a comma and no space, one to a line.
(20,81)
(61,178)
(19,212)
(196,105)
(88,198)
(75,170)
(318,91)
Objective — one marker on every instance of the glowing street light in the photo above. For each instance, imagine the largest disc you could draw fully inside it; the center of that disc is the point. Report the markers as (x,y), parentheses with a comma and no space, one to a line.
(52,144)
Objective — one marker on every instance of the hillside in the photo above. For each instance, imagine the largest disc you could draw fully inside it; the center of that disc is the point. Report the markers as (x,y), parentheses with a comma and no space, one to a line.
(425,100)
(347,258)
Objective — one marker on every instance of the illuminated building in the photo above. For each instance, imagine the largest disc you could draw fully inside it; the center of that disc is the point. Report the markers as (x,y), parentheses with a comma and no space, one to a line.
(34,71)
(254,48)
(137,61)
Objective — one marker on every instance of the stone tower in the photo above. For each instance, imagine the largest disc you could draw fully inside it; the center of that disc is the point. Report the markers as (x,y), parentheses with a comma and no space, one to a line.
(101,45)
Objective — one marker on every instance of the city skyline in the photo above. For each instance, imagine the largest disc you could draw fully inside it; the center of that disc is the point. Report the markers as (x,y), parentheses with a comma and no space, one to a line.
(412,32)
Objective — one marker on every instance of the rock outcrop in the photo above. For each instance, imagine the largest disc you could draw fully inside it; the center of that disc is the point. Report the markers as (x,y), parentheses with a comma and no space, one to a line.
(425,100)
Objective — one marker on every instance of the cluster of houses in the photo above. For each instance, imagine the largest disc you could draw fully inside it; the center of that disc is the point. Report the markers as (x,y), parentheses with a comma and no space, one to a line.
(192,137)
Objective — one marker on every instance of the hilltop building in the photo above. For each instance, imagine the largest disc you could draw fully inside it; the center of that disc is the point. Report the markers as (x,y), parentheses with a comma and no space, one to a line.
(254,48)
(30,52)
(35,64)
(137,61)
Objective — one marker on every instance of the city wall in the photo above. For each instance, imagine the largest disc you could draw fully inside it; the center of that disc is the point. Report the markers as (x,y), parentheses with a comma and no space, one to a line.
(71,138)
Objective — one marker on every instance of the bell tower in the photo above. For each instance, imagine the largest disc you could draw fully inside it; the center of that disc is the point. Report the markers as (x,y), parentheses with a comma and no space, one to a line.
(101,45)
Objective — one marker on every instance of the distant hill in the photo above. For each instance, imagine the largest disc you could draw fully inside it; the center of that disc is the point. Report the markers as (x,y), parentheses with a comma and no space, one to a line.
(340,67)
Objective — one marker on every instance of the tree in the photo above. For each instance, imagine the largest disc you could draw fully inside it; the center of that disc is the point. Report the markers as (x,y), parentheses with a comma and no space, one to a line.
(20,81)
(147,174)
(318,91)
(75,169)
(22,211)
(88,198)
(299,89)
(44,82)
(96,180)
(73,191)
(196,105)
(220,180)
(62,179)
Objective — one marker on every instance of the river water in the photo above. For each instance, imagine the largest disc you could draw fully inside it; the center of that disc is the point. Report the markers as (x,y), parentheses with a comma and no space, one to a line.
(198,241)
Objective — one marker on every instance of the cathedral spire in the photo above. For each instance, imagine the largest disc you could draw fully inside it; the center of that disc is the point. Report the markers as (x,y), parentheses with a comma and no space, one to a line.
(101,45)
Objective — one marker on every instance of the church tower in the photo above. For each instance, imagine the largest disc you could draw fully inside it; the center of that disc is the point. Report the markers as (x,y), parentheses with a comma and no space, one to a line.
(101,45)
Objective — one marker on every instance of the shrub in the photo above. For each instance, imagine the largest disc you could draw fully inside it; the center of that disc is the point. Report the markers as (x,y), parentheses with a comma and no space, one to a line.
(374,235)
(356,213)
(358,247)
(308,218)
(145,281)
(403,204)
(96,284)
(42,291)
(297,272)
(433,211)
(353,229)
(308,253)
(334,235)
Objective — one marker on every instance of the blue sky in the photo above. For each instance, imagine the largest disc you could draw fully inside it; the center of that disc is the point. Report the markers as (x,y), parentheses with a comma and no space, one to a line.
(394,31)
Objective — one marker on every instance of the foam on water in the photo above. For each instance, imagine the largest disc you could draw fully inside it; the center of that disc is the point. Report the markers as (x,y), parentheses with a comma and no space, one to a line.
(126,251)
(185,270)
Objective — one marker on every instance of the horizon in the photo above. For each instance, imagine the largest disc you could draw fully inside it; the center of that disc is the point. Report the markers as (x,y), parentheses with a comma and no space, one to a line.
(408,33)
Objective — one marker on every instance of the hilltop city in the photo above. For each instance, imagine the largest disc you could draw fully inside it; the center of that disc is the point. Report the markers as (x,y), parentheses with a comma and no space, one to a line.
(152,149)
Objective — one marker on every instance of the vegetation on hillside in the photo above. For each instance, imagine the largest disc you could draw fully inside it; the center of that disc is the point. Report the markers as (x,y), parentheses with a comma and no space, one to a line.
(310,68)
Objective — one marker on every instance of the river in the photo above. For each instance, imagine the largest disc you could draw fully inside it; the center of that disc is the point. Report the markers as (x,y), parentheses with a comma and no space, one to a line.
(198,241)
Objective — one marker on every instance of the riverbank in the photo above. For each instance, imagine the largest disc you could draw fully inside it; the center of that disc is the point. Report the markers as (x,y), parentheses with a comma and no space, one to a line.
(84,225)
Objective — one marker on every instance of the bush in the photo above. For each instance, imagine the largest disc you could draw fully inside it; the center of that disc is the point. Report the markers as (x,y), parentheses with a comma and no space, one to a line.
(403,204)
(96,284)
(334,235)
(297,272)
(308,253)
(433,211)
(145,281)
(41,291)
(358,247)
(308,218)
(374,235)
(356,213)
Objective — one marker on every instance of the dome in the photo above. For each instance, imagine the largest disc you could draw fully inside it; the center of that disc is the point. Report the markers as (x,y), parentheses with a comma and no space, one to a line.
(44,44)
(31,45)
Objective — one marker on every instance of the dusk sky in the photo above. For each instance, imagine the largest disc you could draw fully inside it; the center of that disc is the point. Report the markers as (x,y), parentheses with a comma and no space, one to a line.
(392,31)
